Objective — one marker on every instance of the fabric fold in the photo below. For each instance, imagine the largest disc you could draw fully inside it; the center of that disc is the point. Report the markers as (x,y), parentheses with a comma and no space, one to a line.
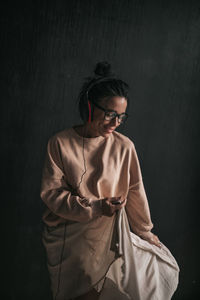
(147,271)
(107,256)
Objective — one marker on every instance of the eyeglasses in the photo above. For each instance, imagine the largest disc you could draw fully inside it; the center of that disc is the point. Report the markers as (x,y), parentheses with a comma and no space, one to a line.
(111,114)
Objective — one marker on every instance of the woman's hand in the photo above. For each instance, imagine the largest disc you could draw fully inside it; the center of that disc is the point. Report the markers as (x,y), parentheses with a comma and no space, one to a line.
(151,238)
(108,206)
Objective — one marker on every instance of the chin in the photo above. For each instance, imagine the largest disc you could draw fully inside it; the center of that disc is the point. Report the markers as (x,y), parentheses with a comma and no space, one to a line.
(106,134)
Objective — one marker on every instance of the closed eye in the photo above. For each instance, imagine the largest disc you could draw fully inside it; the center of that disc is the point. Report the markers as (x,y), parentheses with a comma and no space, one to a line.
(111,113)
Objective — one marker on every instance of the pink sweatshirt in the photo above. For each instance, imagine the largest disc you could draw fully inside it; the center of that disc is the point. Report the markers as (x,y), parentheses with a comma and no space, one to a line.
(112,169)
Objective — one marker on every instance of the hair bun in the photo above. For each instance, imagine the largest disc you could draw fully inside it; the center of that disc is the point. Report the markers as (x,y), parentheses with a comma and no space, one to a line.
(103,69)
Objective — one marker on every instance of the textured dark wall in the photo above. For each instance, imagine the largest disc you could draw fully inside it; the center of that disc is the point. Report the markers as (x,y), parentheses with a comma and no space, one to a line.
(47,51)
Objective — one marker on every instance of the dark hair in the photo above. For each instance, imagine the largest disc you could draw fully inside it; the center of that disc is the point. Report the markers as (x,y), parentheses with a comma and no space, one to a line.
(103,84)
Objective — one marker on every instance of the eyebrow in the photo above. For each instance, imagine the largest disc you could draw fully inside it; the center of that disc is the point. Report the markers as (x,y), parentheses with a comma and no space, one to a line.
(112,110)
(107,109)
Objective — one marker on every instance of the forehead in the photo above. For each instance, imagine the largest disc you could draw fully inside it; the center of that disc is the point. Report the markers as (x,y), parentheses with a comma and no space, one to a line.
(114,103)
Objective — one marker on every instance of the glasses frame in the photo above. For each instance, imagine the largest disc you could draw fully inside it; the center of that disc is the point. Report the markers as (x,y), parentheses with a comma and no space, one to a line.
(116,114)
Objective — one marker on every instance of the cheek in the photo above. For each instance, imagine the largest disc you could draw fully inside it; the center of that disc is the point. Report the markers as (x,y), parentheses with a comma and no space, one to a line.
(103,123)
(98,124)
(98,120)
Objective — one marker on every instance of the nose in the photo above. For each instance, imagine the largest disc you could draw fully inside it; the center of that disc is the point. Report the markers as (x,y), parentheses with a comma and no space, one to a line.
(115,121)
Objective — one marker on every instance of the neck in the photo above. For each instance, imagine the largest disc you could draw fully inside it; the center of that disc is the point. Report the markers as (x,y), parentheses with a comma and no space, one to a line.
(85,130)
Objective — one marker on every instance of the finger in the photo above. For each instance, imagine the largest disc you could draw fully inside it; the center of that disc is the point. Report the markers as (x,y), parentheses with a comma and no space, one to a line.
(122,202)
(114,199)
(157,243)
(119,206)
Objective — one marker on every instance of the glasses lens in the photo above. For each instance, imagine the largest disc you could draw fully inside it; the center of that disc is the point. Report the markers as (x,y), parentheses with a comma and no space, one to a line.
(122,118)
(110,115)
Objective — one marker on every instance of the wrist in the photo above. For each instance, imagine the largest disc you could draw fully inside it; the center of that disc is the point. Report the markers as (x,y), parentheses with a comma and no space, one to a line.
(147,235)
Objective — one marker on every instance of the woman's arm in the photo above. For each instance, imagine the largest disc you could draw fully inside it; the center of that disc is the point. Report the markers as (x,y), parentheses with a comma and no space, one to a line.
(58,195)
(137,206)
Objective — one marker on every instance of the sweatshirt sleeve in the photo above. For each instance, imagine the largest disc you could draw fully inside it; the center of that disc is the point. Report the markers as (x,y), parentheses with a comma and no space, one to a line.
(58,195)
(137,207)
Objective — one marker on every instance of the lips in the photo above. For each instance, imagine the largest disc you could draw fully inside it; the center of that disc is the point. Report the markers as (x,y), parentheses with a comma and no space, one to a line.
(108,130)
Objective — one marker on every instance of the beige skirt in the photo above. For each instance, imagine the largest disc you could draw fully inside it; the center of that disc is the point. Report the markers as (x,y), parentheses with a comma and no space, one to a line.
(104,254)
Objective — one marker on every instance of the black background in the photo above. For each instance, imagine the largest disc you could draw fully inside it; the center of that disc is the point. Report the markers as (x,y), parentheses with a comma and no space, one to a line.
(48,47)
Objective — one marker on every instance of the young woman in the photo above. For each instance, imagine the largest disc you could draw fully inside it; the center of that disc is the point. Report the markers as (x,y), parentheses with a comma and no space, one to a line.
(97,232)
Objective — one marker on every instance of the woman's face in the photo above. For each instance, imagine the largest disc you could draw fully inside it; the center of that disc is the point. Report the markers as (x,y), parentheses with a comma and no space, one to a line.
(102,127)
